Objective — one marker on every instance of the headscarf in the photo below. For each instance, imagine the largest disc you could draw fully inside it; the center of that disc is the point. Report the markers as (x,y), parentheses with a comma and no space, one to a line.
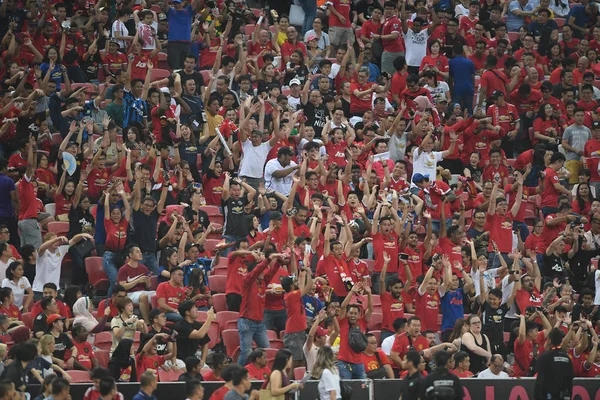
(422,103)
(83,315)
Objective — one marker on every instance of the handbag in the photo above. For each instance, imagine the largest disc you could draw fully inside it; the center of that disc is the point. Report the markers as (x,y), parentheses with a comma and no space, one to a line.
(378,373)
(265,394)
(84,248)
(345,389)
(297,15)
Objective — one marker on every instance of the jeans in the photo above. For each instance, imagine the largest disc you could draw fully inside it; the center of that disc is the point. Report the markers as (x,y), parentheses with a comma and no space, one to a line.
(310,12)
(351,371)
(375,280)
(176,53)
(275,319)
(251,330)
(229,239)
(522,229)
(79,273)
(494,260)
(173,317)
(110,269)
(465,100)
(150,262)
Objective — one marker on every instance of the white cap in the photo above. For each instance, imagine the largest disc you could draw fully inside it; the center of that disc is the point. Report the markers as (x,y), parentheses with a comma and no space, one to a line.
(165,90)
(295,81)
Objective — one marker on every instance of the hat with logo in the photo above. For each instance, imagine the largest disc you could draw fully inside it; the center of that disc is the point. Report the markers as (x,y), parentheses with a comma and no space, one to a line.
(420,177)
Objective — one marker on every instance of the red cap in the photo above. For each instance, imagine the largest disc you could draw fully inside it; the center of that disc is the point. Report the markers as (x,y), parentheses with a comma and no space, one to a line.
(321,332)
(52,318)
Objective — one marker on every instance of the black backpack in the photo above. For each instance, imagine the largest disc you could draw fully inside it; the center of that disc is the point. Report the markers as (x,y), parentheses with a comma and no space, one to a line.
(357,340)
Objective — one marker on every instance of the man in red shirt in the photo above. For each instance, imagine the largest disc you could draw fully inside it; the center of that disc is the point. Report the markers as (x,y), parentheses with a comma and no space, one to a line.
(412,339)
(362,93)
(591,156)
(30,230)
(504,115)
(492,81)
(250,323)
(172,293)
(391,37)
(392,302)
(237,268)
(291,44)
(385,232)
(495,171)
(529,293)
(118,293)
(552,186)
(86,359)
(350,360)
(295,326)
(428,296)
(135,278)
(340,24)
(257,367)
(525,349)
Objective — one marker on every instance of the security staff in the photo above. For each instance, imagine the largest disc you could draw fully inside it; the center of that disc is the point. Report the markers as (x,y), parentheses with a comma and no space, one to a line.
(555,370)
(441,384)
(411,384)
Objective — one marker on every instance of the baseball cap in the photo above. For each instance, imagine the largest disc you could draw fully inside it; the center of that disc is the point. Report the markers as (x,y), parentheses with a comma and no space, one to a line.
(321,331)
(420,177)
(497,93)
(165,90)
(190,245)
(310,37)
(295,82)
(162,17)
(596,125)
(52,318)
(275,216)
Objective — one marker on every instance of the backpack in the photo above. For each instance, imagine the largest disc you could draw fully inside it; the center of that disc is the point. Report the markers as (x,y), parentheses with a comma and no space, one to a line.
(357,340)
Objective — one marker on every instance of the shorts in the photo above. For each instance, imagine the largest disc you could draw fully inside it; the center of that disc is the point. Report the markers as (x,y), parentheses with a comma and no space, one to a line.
(135,296)
(42,216)
(294,342)
(573,166)
(339,35)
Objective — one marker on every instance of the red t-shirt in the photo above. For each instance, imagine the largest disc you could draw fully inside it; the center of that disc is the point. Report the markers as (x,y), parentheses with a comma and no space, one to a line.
(390,26)
(213,189)
(128,274)
(116,235)
(359,269)
(360,104)
(288,48)
(453,251)
(493,80)
(62,309)
(415,262)
(372,362)
(428,309)
(500,228)
(391,309)
(274,301)
(549,233)
(145,362)
(466,374)
(97,181)
(467,25)
(550,194)
(114,311)
(115,62)
(17,161)
(541,126)
(85,354)
(27,199)
(173,295)
(389,245)
(260,374)
(526,299)
(592,152)
(337,154)
(343,8)
(495,174)
(336,271)
(139,65)
(402,344)
(296,314)
(12,311)
(220,393)
(253,291)
(346,354)
(237,268)
(524,356)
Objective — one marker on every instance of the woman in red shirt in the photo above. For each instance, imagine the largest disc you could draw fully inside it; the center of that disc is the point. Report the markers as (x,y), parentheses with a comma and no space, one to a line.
(9,308)
(545,127)
(582,204)
(115,224)
(435,61)
(254,235)
(532,240)
(199,291)
(64,197)
(45,178)
(213,182)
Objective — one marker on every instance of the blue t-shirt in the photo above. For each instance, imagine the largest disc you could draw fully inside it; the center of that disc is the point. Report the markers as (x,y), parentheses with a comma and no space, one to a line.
(462,71)
(180,24)
(312,305)
(514,22)
(135,109)
(55,74)
(7,185)
(452,308)
(581,18)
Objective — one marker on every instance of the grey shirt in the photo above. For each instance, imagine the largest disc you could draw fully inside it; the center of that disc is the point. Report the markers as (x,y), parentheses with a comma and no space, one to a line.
(576,136)
(233,395)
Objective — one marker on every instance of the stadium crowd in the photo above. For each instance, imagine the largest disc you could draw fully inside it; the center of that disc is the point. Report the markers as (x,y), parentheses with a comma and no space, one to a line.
(332,188)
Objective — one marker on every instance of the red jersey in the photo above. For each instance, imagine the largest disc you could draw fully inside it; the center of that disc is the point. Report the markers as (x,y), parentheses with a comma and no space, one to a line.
(213,189)
(296,313)
(97,181)
(173,295)
(261,374)
(337,273)
(208,55)
(524,357)
(114,311)
(237,268)
(62,309)
(27,199)
(253,291)
(465,374)
(337,152)
(17,161)
(543,126)
(346,354)
(495,174)
(389,245)
(531,103)
(343,8)
(500,228)
(288,48)
(428,309)
(115,62)
(549,233)
(526,299)
(145,362)
(494,80)
(591,152)
(391,309)
(478,62)
(402,344)
(139,65)
(63,206)
(467,26)
(375,361)
(359,270)
(392,25)
(550,193)
(85,354)
(369,28)
(274,298)
(116,235)
(415,262)
(360,104)
(12,311)
(398,84)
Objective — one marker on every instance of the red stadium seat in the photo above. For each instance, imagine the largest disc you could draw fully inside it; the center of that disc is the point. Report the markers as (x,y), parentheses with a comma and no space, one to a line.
(27,319)
(225,316)
(231,340)
(168,376)
(299,373)
(158,74)
(96,275)
(213,334)
(211,210)
(79,376)
(210,244)
(271,334)
(219,302)
(216,283)
(103,340)
(375,322)
(103,357)
(61,228)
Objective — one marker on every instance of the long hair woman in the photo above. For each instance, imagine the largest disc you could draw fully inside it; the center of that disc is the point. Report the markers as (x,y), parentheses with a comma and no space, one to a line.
(278,382)
(20,285)
(327,373)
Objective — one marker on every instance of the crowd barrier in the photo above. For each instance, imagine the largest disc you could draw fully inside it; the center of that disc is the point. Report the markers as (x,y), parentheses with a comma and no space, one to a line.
(475,389)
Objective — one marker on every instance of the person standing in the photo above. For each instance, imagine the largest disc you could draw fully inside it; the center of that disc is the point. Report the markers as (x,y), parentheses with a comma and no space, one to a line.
(30,230)
(574,139)
(390,38)
(415,39)
(555,370)
(180,28)
(462,71)
(148,384)
(9,202)
(441,383)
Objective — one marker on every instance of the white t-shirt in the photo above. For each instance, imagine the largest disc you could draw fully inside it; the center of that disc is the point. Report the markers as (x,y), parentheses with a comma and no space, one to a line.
(438,93)
(487,374)
(387,344)
(18,289)
(425,163)
(489,279)
(597,281)
(145,33)
(47,268)
(120,27)
(4,267)
(294,102)
(282,185)
(329,381)
(253,163)
(416,46)
(506,292)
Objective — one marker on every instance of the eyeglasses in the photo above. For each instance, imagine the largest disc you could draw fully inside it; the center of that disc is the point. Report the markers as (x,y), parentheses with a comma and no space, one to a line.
(4,231)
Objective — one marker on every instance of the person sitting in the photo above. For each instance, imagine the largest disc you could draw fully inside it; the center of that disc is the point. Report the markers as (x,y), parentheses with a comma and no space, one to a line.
(172,293)
(86,358)
(219,361)
(125,324)
(49,307)
(192,370)
(45,363)
(111,303)
(159,323)
(21,288)
(82,310)
(99,375)
(258,368)
(135,278)
(60,389)
(147,358)
(63,346)
(50,289)
(462,365)
(9,308)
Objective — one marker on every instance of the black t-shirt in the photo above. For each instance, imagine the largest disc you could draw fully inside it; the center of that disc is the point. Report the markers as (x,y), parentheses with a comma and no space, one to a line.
(161,346)
(410,386)
(195,75)
(316,117)
(187,347)
(441,382)
(144,230)
(80,222)
(91,66)
(579,311)
(365,7)
(15,373)
(493,322)
(203,220)
(39,323)
(491,26)
(62,343)
(554,267)
(16,18)
(234,216)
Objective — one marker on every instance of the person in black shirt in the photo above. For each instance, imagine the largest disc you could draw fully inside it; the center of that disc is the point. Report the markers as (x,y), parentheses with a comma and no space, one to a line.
(188,72)
(62,342)
(441,384)
(233,204)
(494,311)
(555,370)
(159,322)
(412,383)
(49,307)
(315,111)
(191,334)
(192,368)
(586,308)
(16,372)
(145,218)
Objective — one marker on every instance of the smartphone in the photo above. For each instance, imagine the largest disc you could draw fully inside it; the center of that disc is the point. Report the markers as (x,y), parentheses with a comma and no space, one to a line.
(403,256)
